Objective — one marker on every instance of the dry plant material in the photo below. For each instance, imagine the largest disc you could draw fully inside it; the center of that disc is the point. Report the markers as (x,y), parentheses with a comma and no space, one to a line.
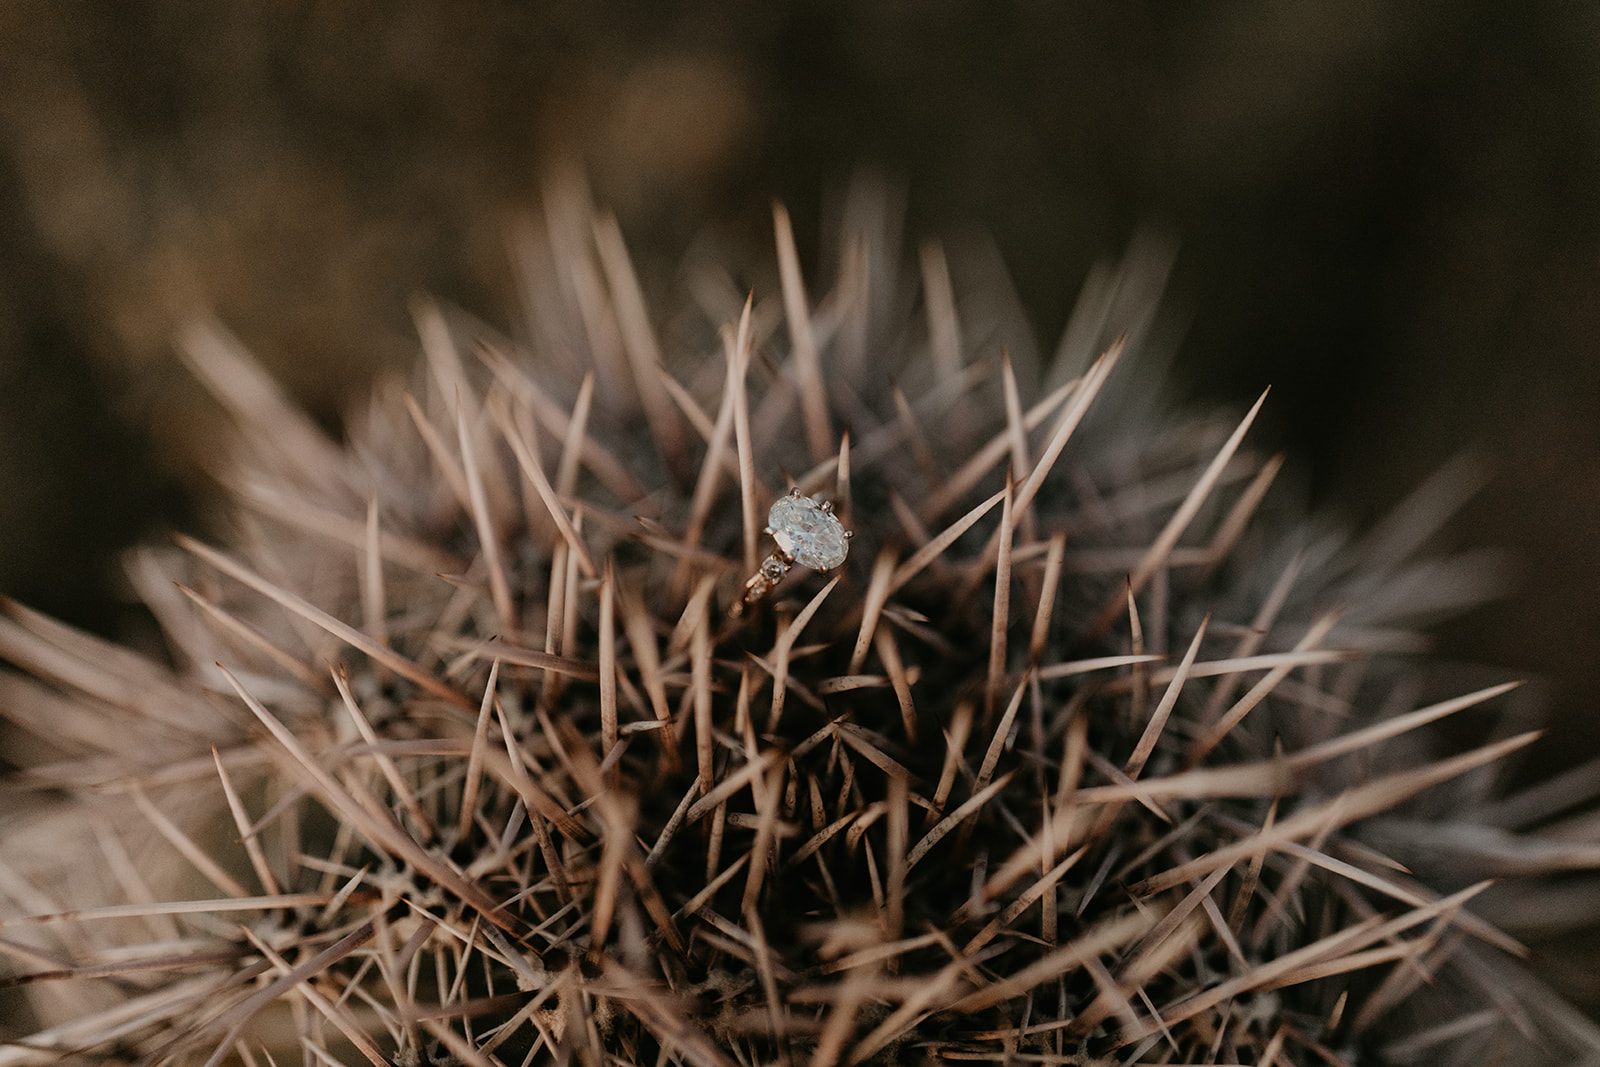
(460,757)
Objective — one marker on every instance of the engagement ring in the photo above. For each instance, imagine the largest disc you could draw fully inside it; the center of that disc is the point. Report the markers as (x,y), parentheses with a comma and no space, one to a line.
(808,533)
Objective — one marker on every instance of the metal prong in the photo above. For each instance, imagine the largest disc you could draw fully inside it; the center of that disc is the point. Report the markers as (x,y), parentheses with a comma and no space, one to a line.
(827,507)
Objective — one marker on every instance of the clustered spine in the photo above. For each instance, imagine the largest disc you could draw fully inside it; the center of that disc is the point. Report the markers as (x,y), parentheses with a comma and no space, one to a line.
(472,750)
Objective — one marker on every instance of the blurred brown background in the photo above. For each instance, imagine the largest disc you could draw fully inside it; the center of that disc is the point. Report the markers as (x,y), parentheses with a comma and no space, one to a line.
(1387,211)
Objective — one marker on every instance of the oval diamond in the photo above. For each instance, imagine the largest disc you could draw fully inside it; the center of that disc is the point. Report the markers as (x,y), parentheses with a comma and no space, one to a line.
(808,535)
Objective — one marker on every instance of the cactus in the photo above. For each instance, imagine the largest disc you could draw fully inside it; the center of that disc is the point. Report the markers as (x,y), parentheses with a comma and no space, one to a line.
(469,749)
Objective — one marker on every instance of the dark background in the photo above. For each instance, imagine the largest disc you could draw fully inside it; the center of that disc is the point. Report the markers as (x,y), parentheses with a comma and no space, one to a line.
(1386,211)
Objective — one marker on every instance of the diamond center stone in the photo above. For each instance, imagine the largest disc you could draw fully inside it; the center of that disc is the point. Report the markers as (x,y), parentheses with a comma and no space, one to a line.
(808,535)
